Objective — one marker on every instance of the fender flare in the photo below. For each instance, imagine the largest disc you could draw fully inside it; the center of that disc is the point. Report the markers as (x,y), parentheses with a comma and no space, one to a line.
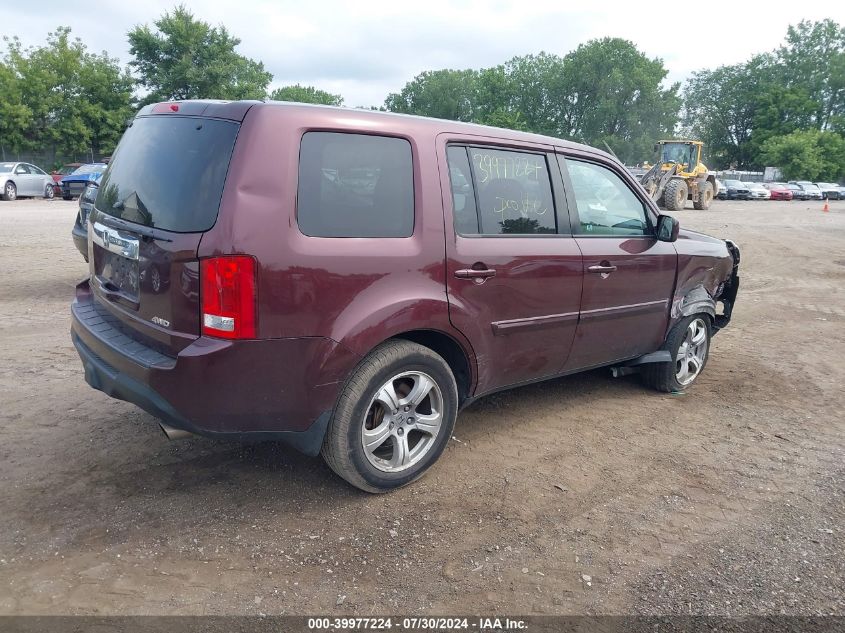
(695,300)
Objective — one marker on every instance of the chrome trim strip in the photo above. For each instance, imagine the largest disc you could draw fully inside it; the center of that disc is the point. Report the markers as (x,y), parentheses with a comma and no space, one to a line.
(531,323)
(614,311)
(115,241)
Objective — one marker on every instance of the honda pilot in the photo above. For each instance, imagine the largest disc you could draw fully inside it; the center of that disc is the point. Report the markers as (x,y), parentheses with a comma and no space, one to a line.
(346,281)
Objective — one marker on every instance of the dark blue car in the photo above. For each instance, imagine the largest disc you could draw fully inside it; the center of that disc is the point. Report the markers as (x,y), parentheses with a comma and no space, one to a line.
(74,184)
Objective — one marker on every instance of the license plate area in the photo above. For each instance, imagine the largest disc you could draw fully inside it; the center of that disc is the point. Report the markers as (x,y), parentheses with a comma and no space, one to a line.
(116,269)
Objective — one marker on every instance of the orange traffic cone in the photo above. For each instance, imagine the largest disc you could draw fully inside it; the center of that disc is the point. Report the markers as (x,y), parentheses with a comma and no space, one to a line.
(826,207)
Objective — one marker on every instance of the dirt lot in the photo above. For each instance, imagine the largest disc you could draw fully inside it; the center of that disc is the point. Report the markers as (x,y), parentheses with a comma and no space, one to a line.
(583,495)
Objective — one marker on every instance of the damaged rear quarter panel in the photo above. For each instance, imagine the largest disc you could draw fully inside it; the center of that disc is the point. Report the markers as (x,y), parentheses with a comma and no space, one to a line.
(704,263)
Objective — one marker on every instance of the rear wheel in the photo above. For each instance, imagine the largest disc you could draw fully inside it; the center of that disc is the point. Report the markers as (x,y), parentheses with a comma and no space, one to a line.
(10,192)
(705,197)
(675,195)
(689,344)
(49,192)
(393,418)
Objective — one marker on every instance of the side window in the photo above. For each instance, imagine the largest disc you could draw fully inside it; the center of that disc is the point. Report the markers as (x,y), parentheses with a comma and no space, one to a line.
(22,169)
(355,185)
(513,191)
(37,170)
(606,206)
(463,197)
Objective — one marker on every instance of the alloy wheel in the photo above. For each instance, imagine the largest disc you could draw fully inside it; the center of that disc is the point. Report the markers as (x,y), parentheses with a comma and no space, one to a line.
(11,191)
(402,422)
(692,352)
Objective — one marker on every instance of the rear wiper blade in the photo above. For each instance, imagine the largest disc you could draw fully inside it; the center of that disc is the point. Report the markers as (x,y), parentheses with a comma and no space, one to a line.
(140,229)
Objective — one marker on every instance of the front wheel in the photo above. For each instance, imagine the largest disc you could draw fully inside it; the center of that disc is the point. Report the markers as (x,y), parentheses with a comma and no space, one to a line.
(393,418)
(10,192)
(705,197)
(689,344)
(675,195)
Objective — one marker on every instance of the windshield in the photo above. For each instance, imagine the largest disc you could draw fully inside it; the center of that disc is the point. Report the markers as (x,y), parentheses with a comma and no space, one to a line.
(678,153)
(168,172)
(809,186)
(89,169)
(4,167)
(733,183)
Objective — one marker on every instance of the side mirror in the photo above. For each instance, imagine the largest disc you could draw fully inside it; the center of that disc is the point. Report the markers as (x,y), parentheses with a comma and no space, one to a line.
(667,228)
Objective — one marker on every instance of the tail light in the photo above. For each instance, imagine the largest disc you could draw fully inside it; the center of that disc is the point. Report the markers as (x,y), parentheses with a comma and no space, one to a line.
(228,296)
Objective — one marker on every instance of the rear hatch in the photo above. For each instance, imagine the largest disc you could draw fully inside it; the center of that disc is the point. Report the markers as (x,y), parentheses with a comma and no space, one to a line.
(161,192)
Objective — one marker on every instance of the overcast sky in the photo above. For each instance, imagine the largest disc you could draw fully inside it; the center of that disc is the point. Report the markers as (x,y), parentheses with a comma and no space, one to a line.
(365,49)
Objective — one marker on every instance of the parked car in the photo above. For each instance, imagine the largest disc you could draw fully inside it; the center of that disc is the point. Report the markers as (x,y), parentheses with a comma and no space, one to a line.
(831,191)
(80,226)
(758,191)
(61,172)
(74,184)
(737,190)
(811,190)
(721,190)
(778,190)
(331,297)
(24,180)
(798,193)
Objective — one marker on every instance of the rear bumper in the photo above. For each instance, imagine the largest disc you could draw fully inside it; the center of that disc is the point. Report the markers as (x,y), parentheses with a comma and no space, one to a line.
(280,389)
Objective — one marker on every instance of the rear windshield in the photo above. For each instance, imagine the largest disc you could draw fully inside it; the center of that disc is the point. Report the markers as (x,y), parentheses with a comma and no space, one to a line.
(168,172)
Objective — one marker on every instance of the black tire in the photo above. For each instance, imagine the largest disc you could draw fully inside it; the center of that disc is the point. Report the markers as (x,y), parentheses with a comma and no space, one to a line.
(343,448)
(10,192)
(705,197)
(675,195)
(66,197)
(663,376)
(49,192)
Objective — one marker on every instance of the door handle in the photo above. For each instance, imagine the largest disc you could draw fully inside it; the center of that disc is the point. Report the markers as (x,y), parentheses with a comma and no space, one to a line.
(602,269)
(477,274)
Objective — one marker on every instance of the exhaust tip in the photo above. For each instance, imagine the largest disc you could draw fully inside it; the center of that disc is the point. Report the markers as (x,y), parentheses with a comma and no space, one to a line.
(174,433)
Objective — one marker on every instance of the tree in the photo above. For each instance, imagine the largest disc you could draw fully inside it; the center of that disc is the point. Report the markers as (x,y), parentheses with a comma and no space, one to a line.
(807,155)
(306,94)
(75,101)
(614,94)
(813,60)
(15,115)
(187,58)
(445,94)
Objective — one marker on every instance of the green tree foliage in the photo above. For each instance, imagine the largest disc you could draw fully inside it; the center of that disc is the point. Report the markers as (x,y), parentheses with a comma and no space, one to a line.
(807,155)
(736,110)
(306,94)
(605,91)
(186,58)
(813,60)
(614,94)
(444,94)
(61,95)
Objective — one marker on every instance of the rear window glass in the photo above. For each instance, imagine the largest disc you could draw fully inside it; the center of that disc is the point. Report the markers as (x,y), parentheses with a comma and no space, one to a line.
(355,185)
(168,172)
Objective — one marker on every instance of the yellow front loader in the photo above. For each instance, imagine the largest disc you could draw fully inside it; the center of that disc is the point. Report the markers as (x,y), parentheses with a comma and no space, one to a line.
(679,175)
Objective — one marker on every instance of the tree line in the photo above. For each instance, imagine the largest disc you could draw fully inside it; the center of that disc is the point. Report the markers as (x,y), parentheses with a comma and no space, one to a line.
(784,108)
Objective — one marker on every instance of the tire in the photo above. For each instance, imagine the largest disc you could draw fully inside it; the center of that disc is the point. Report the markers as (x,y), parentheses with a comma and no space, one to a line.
(665,376)
(66,197)
(10,192)
(675,195)
(405,368)
(705,197)
(49,192)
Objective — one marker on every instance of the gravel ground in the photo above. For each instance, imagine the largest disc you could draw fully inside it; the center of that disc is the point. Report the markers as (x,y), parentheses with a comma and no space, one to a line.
(584,495)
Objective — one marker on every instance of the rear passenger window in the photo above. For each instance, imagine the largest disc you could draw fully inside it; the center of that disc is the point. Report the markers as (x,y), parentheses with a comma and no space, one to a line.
(512,192)
(355,185)
(606,206)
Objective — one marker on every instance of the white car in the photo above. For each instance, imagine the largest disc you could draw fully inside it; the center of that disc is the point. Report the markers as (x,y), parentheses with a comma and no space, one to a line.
(758,191)
(23,179)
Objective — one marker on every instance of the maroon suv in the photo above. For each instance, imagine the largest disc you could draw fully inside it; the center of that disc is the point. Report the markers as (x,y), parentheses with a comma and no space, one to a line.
(346,281)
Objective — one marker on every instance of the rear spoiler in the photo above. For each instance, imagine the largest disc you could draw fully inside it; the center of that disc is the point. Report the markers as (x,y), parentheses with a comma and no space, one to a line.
(230,110)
